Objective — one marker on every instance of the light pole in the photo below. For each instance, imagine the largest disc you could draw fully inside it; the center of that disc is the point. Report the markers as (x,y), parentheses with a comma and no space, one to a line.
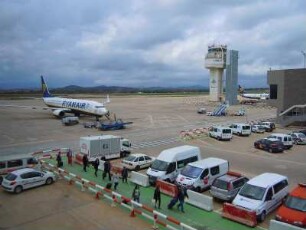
(304,54)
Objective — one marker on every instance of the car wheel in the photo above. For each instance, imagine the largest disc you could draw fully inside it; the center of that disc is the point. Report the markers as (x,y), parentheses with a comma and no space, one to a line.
(137,168)
(18,189)
(262,216)
(198,189)
(49,181)
(270,150)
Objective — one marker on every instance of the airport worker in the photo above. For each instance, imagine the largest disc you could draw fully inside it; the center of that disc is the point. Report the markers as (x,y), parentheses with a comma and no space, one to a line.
(39,166)
(124,174)
(69,157)
(107,168)
(182,193)
(85,162)
(157,196)
(96,166)
(59,160)
(136,193)
(115,178)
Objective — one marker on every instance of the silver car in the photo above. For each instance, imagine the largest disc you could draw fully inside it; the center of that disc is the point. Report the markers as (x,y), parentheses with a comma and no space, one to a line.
(227,186)
(26,178)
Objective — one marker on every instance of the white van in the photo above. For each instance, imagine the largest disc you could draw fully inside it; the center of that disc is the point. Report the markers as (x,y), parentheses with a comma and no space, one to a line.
(220,133)
(285,138)
(170,162)
(11,163)
(262,194)
(241,129)
(200,175)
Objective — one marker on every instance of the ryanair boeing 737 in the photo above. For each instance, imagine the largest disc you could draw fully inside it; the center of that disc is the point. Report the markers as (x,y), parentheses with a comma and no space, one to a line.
(60,105)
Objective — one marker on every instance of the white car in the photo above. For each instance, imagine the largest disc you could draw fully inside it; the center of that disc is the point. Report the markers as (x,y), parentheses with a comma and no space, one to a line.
(258,129)
(137,161)
(26,178)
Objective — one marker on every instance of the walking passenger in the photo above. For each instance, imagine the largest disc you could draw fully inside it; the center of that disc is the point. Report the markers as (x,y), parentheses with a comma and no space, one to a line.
(124,174)
(85,162)
(96,166)
(157,196)
(69,157)
(115,178)
(107,168)
(59,160)
(136,193)
(182,193)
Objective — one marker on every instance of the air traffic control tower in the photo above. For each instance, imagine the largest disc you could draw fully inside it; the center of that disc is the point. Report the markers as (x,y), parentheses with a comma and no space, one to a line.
(215,61)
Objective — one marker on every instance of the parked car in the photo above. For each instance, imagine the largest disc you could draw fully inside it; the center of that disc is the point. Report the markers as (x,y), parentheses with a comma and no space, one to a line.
(285,138)
(227,186)
(241,129)
(268,127)
(293,211)
(258,129)
(302,131)
(268,123)
(137,161)
(269,144)
(298,138)
(26,178)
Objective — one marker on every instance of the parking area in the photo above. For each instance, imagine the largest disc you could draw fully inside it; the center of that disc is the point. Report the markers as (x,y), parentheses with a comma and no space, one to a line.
(157,123)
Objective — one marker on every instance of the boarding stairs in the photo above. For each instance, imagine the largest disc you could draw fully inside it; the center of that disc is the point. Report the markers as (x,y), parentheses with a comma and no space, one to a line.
(296,113)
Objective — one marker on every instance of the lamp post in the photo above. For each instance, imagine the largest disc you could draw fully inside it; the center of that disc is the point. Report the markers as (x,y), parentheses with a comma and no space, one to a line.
(304,54)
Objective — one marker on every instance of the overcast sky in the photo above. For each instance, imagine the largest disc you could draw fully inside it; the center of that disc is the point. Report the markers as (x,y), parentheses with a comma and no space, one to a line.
(143,43)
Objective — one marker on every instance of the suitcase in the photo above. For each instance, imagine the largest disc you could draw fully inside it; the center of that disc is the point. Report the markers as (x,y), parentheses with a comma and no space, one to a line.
(172,202)
(109,185)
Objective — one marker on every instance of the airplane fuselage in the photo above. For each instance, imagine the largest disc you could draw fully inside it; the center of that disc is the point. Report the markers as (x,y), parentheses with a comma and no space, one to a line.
(76,105)
(262,96)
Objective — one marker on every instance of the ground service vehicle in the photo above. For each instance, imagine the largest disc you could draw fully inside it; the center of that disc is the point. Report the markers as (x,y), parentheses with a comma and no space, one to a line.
(258,129)
(241,129)
(26,178)
(200,175)
(269,126)
(114,125)
(11,163)
(220,133)
(293,211)
(137,161)
(70,120)
(298,138)
(227,186)
(104,146)
(285,138)
(171,161)
(272,145)
(262,194)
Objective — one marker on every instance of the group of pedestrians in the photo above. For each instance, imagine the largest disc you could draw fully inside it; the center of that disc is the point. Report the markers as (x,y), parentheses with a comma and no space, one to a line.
(60,161)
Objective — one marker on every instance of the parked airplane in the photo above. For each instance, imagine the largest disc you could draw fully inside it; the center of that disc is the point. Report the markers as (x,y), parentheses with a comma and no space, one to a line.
(60,105)
(258,96)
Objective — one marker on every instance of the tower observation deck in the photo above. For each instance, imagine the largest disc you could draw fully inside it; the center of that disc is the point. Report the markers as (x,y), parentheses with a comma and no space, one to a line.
(215,61)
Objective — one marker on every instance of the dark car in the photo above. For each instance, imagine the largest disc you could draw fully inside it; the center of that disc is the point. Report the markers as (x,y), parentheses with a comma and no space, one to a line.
(272,145)
(227,186)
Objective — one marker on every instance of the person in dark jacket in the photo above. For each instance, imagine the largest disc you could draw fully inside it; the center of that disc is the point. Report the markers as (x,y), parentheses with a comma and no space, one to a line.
(96,166)
(107,168)
(85,162)
(157,196)
(182,193)
(124,174)
(59,160)
(136,193)
(69,157)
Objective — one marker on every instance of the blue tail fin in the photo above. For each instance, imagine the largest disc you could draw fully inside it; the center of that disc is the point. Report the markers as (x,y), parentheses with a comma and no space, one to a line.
(44,88)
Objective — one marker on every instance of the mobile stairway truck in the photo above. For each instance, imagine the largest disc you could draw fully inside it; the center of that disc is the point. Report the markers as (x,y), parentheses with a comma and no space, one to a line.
(104,147)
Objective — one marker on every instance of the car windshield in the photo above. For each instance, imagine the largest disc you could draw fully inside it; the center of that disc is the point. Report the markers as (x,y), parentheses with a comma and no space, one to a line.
(160,165)
(296,203)
(252,192)
(10,177)
(221,184)
(191,171)
(130,158)
(226,131)
(245,127)
(126,143)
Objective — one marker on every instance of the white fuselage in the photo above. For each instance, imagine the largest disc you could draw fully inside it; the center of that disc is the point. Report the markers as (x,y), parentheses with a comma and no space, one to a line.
(262,96)
(76,105)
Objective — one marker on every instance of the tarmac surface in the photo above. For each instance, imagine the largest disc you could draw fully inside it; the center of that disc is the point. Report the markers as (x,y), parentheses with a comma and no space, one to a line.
(157,123)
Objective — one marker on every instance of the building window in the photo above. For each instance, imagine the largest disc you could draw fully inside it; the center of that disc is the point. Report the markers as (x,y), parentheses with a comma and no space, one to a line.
(273,91)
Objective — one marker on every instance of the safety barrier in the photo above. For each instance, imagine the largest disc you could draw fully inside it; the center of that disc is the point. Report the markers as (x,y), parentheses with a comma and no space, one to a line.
(167,188)
(139,178)
(200,200)
(277,225)
(240,215)
(116,198)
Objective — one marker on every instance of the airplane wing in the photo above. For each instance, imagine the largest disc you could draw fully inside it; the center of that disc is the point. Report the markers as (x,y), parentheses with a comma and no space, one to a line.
(34,107)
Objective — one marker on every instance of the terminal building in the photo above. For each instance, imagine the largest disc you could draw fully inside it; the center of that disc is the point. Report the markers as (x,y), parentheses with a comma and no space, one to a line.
(288,95)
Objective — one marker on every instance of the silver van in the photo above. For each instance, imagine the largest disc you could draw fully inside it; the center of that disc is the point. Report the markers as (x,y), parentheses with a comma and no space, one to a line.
(11,163)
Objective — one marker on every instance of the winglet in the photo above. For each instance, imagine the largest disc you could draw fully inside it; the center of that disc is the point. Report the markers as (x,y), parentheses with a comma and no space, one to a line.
(44,88)
(107,99)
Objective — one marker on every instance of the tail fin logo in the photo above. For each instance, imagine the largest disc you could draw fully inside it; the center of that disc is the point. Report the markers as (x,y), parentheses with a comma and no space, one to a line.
(44,87)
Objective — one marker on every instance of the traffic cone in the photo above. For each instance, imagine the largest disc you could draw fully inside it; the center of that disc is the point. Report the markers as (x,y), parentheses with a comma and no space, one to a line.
(132,214)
